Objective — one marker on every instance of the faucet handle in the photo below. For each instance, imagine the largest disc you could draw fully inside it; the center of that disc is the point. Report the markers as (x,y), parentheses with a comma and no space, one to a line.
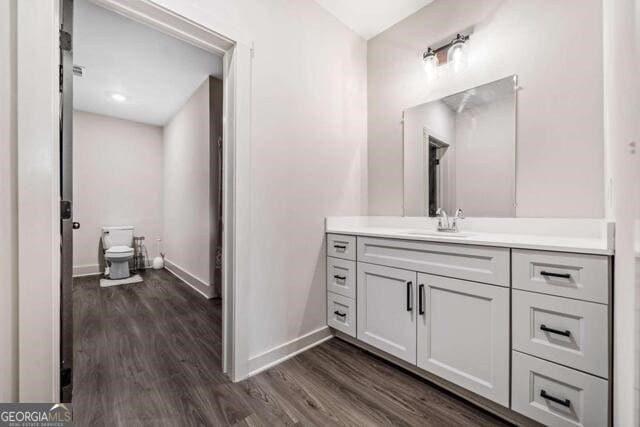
(459,214)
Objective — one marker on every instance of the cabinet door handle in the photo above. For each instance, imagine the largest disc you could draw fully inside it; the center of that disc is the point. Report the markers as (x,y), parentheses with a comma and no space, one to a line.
(560,275)
(563,402)
(339,277)
(339,313)
(421,299)
(409,299)
(555,331)
(340,246)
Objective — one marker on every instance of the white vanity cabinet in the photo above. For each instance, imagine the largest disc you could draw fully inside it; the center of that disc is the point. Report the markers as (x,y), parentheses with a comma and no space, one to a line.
(463,334)
(524,332)
(428,304)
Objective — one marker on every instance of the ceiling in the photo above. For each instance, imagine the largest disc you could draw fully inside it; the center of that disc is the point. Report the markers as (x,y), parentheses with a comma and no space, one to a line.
(155,72)
(369,18)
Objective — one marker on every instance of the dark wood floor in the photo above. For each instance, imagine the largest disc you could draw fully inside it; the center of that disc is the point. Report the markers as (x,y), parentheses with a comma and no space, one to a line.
(149,354)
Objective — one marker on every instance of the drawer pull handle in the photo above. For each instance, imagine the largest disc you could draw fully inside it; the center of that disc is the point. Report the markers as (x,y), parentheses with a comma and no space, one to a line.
(421,299)
(409,299)
(555,331)
(339,277)
(560,275)
(339,313)
(340,246)
(563,402)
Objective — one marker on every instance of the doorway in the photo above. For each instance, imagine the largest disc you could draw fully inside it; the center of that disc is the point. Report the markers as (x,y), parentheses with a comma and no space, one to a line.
(220,203)
(38,125)
(436,185)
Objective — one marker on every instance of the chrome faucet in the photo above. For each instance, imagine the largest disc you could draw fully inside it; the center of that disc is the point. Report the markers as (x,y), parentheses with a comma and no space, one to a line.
(443,220)
(446,224)
(454,221)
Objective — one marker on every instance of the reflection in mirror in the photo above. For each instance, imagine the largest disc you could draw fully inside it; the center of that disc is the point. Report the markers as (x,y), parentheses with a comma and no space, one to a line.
(460,152)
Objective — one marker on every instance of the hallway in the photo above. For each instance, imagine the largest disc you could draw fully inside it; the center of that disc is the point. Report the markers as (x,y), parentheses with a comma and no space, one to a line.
(148,354)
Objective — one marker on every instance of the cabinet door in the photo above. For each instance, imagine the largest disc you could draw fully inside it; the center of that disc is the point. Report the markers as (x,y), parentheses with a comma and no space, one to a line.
(463,334)
(386,310)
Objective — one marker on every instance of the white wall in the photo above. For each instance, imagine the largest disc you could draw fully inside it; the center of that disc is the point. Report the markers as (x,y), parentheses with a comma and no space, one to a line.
(117,181)
(485,153)
(308,149)
(556,50)
(187,195)
(8,206)
(622,104)
(636,183)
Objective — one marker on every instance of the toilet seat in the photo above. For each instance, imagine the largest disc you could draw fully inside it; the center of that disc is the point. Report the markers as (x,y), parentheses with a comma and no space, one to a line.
(119,249)
(119,252)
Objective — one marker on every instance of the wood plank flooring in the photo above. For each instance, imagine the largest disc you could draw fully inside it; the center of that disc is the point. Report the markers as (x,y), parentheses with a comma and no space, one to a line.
(149,354)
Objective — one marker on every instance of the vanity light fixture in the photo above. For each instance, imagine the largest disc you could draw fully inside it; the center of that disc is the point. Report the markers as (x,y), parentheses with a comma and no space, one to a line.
(452,51)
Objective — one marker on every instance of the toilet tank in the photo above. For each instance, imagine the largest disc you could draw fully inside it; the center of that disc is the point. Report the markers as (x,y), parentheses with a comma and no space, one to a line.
(117,236)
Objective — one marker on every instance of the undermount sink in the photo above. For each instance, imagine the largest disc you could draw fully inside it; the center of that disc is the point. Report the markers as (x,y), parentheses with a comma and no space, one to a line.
(459,234)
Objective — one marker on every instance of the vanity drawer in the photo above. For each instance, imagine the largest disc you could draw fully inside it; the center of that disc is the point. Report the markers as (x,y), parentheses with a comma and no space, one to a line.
(577,276)
(341,246)
(341,277)
(341,313)
(475,263)
(557,396)
(570,332)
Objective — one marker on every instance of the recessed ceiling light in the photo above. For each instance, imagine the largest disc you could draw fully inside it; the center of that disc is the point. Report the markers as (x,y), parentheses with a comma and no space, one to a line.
(118,97)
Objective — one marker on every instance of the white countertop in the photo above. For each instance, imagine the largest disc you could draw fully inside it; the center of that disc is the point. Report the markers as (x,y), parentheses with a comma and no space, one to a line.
(590,236)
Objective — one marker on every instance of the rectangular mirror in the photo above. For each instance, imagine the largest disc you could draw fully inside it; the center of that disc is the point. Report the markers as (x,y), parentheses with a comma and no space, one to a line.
(460,152)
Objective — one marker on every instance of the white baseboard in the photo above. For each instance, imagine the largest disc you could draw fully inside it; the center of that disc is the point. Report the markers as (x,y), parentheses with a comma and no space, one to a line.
(86,270)
(196,283)
(279,354)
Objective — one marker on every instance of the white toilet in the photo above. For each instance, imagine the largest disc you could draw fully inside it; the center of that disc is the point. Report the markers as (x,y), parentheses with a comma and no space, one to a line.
(117,242)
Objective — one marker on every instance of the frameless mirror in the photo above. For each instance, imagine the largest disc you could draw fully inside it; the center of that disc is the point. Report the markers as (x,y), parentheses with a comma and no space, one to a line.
(460,152)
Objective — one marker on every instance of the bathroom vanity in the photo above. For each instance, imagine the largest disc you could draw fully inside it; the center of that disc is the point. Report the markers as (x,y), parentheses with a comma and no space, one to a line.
(512,314)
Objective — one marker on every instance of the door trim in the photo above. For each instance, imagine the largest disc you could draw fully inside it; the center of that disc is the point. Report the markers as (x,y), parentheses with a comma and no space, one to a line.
(39,193)
(38,128)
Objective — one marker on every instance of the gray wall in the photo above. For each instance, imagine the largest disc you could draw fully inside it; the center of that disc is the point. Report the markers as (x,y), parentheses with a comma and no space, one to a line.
(560,125)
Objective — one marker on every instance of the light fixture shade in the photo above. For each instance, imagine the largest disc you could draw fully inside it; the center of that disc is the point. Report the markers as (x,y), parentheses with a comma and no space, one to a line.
(430,62)
(456,55)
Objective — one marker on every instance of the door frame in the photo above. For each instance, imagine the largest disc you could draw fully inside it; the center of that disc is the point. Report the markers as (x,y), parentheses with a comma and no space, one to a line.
(38,106)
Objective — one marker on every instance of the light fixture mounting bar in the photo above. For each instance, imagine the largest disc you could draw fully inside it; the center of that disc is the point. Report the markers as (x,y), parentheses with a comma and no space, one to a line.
(462,37)
(445,43)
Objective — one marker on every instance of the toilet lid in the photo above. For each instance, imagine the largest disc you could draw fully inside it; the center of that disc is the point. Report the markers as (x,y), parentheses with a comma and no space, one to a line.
(119,249)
